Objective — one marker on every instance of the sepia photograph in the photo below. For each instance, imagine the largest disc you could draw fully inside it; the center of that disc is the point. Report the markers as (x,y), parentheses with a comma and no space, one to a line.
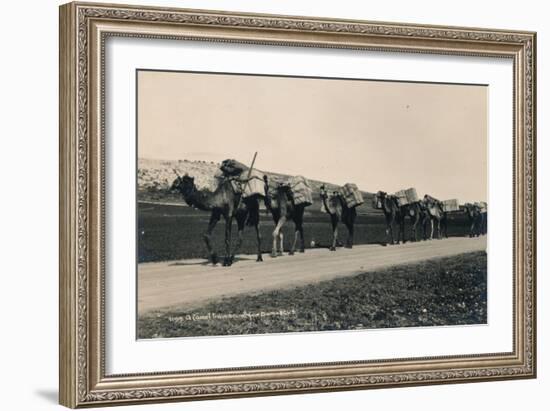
(274,204)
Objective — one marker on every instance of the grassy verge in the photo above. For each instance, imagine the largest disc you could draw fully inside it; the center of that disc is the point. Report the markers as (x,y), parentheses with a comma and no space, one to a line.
(168,233)
(446,291)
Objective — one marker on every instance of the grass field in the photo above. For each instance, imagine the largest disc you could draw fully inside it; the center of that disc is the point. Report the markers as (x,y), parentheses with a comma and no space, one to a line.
(168,232)
(446,291)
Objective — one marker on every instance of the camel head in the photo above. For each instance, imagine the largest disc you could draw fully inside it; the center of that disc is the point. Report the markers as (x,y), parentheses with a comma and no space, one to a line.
(433,206)
(429,201)
(285,189)
(378,199)
(183,184)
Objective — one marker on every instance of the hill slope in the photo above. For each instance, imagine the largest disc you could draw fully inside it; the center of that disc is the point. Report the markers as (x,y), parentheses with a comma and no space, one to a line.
(154,178)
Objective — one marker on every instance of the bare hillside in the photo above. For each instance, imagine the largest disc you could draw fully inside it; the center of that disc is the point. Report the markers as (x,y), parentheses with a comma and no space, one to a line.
(156,176)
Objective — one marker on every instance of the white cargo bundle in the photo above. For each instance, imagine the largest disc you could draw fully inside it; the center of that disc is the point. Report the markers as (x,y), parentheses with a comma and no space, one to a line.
(301,190)
(406,196)
(451,205)
(352,195)
(482,206)
(255,184)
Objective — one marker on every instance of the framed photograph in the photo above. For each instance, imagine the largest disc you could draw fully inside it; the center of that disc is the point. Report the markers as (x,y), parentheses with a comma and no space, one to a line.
(259,204)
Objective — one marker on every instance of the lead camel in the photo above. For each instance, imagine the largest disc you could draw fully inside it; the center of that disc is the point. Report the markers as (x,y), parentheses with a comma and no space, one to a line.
(224,202)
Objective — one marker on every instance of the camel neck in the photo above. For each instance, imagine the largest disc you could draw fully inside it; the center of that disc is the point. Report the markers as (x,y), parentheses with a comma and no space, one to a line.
(324,199)
(388,205)
(342,202)
(199,199)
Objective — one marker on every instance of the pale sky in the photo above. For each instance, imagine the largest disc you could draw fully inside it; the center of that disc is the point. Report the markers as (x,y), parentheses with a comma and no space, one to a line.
(379,135)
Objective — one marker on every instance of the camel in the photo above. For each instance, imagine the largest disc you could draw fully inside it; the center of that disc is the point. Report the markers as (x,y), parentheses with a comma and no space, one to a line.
(418,214)
(392,212)
(438,218)
(338,210)
(282,208)
(223,202)
(475,219)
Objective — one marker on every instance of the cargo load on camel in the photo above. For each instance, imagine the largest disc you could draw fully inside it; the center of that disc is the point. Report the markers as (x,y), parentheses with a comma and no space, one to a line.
(451,205)
(406,196)
(482,206)
(232,168)
(352,195)
(249,184)
(301,190)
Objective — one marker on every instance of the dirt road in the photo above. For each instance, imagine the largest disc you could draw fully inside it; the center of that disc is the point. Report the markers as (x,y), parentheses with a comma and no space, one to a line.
(192,282)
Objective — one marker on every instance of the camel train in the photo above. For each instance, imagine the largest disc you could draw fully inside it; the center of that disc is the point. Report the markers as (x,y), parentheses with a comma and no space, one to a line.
(477,218)
(427,212)
(237,198)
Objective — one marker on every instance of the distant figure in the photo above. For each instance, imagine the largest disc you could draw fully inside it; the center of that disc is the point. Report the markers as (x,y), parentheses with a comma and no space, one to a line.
(336,207)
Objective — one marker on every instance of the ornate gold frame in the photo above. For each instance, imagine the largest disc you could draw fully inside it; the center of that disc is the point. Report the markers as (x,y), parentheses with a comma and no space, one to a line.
(83,30)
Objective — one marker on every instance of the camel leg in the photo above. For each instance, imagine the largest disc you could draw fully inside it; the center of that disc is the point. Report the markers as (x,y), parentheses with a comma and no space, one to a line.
(424,229)
(277,235)
(293,248)
(401,233)
(300,227)
(302,241)
(351,227)
(259,242)
(281,243)
(240,229)
(334,235)
(398,227)
(414,223)
(349,241)
(228,223)
(389,231)
(214,218)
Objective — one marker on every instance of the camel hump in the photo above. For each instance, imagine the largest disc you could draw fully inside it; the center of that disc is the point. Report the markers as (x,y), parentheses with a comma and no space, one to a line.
(232,168)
